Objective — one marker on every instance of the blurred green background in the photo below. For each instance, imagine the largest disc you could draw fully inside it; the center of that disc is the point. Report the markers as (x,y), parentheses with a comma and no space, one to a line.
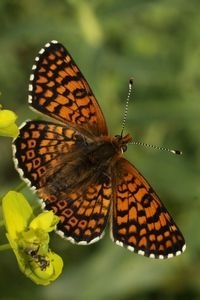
(158,44)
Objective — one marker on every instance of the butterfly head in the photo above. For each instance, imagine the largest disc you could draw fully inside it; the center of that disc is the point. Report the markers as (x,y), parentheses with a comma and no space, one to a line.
(122,141)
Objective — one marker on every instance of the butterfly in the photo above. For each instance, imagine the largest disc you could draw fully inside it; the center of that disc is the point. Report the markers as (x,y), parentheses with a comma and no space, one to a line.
(78,170)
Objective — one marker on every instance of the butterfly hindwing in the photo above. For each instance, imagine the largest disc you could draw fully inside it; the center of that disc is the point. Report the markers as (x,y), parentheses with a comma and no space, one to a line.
(140,221)
(83,211)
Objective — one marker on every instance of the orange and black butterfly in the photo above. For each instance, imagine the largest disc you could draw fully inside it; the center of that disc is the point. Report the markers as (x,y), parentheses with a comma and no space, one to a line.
(78,169)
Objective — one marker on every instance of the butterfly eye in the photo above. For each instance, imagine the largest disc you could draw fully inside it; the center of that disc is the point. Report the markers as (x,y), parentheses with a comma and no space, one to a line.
(119,138)
(124,148)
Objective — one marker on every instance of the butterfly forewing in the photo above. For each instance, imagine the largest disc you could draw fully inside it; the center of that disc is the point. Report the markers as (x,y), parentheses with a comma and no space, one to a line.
(58,89)
(77,169)
(140,221)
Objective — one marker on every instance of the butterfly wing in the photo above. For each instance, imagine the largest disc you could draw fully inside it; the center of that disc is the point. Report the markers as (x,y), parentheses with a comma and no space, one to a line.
(140,221)
(39,148)
(83,212)
(58,89)
(51,159)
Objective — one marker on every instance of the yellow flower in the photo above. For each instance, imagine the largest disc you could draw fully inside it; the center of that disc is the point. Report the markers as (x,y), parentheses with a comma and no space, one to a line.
(29,239)
(7,123)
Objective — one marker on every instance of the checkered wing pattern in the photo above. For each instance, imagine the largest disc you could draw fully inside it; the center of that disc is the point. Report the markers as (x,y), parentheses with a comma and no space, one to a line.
(50,158)
(39,150)
(140,221)
(57,88)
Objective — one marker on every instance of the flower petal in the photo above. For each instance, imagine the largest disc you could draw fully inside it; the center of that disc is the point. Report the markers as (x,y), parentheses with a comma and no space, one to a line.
(45,221)
(50,273)
(17,213)
(7,123)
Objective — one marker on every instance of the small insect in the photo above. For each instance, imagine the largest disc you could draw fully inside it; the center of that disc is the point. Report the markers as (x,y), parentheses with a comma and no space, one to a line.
(41,261)
(78,170)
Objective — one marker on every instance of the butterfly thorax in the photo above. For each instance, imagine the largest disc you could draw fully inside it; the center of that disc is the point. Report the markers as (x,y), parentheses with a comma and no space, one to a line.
(107,148)
(88,162)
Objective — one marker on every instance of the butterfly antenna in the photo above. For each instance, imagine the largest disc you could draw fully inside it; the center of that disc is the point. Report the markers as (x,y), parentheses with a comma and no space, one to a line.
(130,87)
(173,151)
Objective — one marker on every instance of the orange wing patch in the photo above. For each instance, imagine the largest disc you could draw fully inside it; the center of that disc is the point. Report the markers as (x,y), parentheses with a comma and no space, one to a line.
(40,148)
(83,213)
(140,221)
(58,89)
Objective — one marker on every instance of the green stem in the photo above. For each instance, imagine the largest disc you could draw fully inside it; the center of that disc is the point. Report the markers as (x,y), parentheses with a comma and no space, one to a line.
(5,247)
(20,186)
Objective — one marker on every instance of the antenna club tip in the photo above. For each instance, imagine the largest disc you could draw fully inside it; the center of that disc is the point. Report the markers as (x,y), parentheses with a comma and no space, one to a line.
(131,81)
(178,152)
